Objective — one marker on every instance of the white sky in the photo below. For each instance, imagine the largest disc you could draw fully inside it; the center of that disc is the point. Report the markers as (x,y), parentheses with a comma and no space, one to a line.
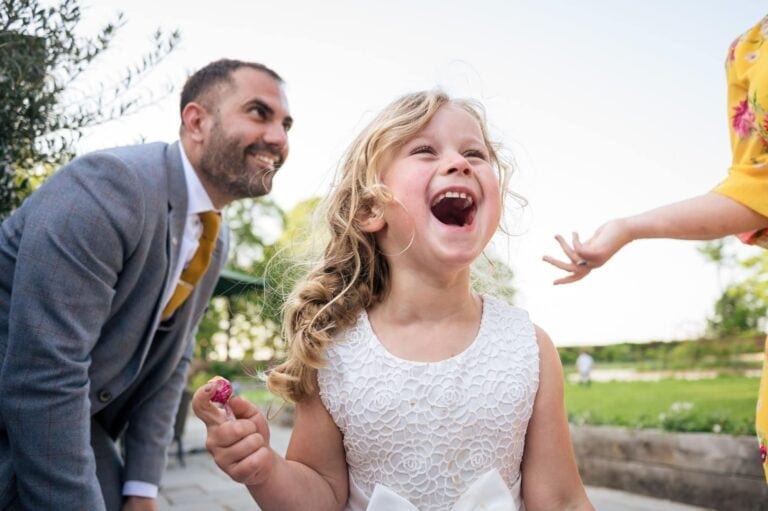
(610,107)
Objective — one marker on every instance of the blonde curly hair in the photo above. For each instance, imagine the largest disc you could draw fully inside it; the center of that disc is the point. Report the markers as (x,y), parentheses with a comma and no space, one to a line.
(353,274)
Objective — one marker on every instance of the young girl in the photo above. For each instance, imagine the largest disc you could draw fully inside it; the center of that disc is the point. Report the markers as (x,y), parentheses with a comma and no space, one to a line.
(412,391)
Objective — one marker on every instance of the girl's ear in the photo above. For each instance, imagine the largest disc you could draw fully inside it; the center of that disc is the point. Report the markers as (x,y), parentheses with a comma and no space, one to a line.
(373,221)
(370,210)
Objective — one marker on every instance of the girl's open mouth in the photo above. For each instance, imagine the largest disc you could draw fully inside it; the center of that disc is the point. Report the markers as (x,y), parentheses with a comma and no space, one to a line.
(454,208)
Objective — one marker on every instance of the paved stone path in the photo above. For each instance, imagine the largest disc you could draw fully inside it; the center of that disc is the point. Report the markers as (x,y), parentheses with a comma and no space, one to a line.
(201,486)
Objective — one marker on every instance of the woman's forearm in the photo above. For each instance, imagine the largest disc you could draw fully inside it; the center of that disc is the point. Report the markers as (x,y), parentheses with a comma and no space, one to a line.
(705,217)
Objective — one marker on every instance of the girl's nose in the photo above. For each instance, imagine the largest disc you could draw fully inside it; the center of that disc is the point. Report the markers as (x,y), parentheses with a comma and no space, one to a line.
(457,164)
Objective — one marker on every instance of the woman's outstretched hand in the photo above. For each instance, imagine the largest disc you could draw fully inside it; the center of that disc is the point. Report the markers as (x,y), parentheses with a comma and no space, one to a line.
(240,447)
(593,253)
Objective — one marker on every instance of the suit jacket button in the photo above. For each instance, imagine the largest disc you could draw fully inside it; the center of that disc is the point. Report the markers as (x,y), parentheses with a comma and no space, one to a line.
(104,395)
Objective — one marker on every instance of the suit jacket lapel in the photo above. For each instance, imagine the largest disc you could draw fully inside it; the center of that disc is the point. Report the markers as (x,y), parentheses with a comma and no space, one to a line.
(177,216)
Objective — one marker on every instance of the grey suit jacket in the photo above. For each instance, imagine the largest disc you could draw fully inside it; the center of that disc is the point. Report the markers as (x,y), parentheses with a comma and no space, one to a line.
(83,266)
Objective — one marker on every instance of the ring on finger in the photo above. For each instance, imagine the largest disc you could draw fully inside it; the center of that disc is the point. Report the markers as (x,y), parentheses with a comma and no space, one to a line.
(581,262)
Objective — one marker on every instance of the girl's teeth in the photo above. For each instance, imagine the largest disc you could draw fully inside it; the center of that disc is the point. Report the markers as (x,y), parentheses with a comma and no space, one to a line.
(453,195)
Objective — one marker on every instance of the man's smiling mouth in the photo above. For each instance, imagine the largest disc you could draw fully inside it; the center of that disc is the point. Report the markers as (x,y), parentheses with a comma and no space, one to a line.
(267,161)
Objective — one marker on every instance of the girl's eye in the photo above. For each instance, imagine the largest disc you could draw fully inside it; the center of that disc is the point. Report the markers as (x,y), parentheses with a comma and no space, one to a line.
(423,149)
(475,153)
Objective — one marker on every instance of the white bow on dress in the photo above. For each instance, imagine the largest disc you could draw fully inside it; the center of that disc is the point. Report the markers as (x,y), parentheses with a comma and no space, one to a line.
(488,493)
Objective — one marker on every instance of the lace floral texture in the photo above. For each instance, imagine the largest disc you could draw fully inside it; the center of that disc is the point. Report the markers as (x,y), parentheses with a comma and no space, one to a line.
(428,430)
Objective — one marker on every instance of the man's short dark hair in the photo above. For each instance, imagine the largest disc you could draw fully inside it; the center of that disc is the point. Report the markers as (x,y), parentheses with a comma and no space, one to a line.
(215,73)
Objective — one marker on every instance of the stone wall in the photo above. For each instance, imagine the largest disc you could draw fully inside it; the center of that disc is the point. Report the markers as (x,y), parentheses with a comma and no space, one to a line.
(719,472)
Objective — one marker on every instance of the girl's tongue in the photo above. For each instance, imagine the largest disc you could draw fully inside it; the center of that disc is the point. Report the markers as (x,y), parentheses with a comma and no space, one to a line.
(454,211)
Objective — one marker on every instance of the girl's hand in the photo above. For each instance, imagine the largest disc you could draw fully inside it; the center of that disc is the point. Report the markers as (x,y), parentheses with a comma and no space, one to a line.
(595,252)
(240,447)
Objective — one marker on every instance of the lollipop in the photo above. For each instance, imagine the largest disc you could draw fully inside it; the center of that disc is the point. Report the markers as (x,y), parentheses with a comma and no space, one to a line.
(221,393)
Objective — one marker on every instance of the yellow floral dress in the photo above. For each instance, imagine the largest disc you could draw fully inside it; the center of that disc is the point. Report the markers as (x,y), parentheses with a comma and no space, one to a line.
(747,181)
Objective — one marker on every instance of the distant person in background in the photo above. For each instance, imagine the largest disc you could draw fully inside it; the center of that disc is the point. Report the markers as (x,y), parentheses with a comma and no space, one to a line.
(738,205)
(584,363)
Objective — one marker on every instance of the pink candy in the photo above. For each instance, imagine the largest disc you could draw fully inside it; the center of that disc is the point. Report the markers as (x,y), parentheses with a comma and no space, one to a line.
(221,394)
(223,391)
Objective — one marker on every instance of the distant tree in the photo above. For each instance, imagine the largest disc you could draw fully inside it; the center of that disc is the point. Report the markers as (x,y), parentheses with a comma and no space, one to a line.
(43,106)
(254,226)
(264,243)
(742,307)
(743,302)
(291,257)
(245,327)
(719,252)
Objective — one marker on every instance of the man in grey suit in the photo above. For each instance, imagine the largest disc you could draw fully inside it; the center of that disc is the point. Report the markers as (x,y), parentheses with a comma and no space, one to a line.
(105,272)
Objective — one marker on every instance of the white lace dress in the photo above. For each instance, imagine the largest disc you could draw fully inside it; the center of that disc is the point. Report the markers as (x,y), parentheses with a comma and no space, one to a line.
(429,430)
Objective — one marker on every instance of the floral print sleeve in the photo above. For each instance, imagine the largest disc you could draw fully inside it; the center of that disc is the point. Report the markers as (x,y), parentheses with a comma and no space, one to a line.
(747,73)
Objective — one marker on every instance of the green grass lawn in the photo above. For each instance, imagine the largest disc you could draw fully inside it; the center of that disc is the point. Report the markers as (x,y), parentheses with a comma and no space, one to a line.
(725,404)
(271,406)
(261,397)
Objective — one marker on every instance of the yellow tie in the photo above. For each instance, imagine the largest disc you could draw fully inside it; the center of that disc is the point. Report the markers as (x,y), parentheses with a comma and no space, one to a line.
(211,221)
